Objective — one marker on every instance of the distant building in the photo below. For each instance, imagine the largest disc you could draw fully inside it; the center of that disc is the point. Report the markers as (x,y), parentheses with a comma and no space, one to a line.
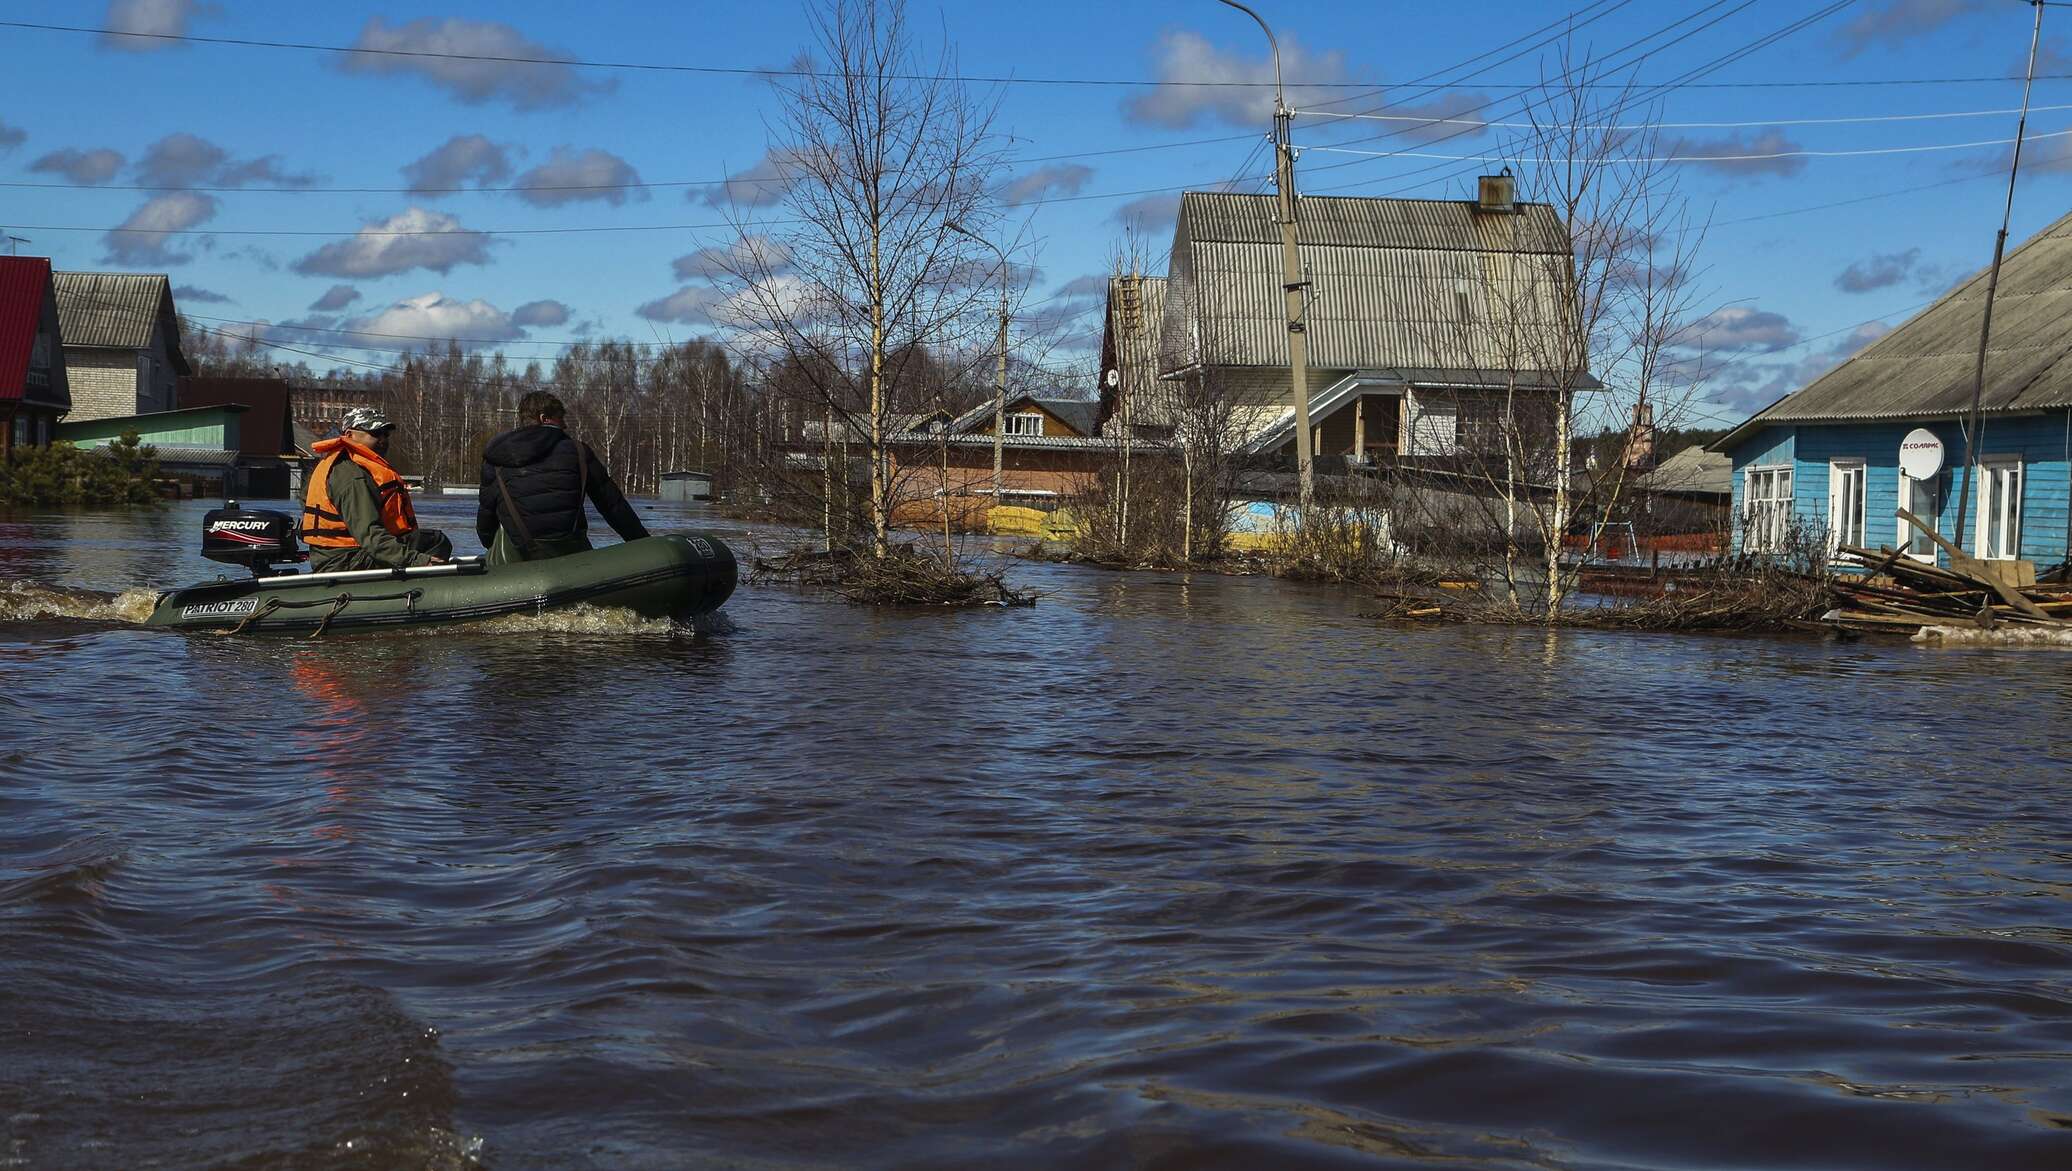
(1049,453)
(197,447)
(320,405)
(122,343)
(271,459)
(1825,460)
(1428,320)
(34,392)
(684,487)
(1132,395)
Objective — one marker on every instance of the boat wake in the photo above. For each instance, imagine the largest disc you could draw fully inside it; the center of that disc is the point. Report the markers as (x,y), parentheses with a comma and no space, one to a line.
(587,619)
(29,601)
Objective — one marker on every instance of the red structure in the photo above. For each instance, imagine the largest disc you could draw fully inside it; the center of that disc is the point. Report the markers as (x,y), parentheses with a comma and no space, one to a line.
(33,391)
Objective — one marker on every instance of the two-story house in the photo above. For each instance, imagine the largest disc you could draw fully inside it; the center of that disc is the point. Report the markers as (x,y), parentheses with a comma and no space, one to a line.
(122,343)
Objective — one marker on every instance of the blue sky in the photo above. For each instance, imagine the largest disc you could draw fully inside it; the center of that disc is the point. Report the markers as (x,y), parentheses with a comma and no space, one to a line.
(246,144)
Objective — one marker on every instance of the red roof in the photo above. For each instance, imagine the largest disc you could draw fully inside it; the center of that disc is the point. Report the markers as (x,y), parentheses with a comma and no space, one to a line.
(24,287)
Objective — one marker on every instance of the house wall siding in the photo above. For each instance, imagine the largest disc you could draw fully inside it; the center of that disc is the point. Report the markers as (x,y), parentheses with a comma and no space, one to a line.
(103,382)
(2039,441)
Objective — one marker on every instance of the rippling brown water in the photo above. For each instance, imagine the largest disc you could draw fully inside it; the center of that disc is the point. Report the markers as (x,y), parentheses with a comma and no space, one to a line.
(1160,873)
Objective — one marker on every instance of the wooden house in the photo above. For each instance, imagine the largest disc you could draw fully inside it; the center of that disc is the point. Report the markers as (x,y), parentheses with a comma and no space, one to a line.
(1831,460)
(34,392)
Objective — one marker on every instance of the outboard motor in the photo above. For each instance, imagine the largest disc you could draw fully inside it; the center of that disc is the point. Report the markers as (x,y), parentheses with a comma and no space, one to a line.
(256,538)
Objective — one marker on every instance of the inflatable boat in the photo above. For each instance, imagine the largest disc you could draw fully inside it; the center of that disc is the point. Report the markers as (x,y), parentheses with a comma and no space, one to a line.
(677,576)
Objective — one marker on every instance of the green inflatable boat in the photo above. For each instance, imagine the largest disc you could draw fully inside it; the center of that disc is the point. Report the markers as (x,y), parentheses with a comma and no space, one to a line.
(678,576)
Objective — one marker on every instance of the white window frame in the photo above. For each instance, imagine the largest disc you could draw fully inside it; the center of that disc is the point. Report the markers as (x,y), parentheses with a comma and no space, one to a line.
(1846,516)
(1765,518)
(1017,423)
(1907,533)
(2001,473)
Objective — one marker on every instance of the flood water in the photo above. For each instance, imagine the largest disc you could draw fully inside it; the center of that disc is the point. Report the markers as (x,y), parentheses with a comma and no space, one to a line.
(1162,872)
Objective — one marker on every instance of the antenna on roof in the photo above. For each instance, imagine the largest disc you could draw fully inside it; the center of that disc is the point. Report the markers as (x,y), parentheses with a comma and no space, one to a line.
(14,244)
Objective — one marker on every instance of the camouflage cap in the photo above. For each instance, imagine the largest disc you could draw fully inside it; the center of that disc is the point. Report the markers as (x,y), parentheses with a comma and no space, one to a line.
(368,419)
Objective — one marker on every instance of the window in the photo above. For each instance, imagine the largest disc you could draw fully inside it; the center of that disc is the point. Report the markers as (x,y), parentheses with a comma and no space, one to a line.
(1845,478)
(1923,498)
(2000,510)
(1766,509)
(1462,303)
(1434,428)
(1028,423)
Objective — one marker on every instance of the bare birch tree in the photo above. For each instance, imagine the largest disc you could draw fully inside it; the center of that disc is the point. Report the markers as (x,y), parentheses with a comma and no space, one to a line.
(883,149)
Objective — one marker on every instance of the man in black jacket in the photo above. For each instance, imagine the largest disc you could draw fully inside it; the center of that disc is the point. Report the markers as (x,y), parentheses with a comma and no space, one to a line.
(533,483)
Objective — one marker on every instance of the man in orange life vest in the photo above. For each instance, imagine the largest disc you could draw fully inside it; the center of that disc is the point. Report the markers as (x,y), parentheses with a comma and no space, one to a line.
(357,512)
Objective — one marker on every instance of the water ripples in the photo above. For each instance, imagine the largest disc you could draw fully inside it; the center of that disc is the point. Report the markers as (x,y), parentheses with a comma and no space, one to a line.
(1160,873)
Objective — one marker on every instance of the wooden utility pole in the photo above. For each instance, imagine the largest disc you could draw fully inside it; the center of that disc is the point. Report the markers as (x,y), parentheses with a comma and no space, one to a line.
(1294,288)
(1974,424)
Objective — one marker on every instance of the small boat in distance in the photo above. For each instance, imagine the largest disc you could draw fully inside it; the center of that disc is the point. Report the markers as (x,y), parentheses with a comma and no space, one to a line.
(675,576)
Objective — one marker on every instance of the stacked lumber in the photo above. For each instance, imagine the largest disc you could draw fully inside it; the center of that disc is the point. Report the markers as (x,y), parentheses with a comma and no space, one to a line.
(1900,595)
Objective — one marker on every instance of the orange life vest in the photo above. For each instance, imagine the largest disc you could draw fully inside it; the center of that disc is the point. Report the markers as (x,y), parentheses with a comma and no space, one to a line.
(322,525)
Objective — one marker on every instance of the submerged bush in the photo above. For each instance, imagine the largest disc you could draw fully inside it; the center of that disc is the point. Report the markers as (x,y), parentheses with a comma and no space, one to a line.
(117,476)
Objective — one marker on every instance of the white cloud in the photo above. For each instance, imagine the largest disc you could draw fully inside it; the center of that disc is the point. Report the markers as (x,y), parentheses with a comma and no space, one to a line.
(187,160)
(437,316)
(759,186)
(540,313)
(1044,182)
(749,256)
(1189,58)
(477,65)
(1895,22)
(1150,213)
(1730,153)
(198,295)
(137,243)
(335,298)
(80,166)
(572,176)
(1878,271)
(1091,285)
(690,305)
(139,26)
(416,238)
(462,159)
(1740,329)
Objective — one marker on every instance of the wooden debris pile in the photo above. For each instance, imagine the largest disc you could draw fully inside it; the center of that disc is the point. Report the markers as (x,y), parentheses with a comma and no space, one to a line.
(1900,595)
(905,576)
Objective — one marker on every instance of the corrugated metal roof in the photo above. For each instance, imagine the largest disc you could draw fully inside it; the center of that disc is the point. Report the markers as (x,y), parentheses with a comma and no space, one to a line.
(118,310)
(1925,368)
(24,283)
(1075,413)
(1367,222)
(1130,347)
(1440,309)
(1694,469)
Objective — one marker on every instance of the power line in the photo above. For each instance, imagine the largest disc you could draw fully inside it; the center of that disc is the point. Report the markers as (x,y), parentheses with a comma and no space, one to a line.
(983,79)
(1637,126)
(1754,156)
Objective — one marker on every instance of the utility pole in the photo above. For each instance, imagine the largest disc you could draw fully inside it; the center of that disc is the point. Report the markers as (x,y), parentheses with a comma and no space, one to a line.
(1293,287)
(1974,425)
(1000,374)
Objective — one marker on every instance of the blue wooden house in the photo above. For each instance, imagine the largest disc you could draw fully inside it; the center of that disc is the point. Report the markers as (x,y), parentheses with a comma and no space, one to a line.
(1825,460)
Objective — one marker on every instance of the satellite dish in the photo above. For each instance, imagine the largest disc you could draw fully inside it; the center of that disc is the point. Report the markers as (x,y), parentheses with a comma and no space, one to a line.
(1920,454)
(1114,378)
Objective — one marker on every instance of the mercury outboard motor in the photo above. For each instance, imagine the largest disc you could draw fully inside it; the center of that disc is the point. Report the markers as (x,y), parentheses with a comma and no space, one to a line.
(256,538)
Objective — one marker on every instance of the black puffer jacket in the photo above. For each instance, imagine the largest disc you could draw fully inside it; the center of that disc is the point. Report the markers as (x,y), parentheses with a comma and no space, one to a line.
(547,473)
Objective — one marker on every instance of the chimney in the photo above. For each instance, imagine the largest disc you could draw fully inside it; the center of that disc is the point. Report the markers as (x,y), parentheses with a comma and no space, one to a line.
(1497,193)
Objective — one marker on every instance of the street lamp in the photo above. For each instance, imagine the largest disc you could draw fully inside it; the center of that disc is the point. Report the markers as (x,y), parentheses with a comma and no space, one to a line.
(1000,398)
(1293,287)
